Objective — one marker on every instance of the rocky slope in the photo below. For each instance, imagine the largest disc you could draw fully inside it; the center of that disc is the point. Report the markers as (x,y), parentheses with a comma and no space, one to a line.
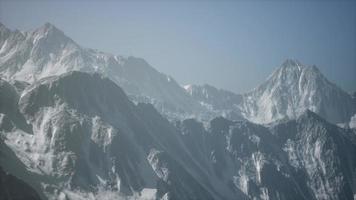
(78,136)
(14,188)
(70,133)
(306,158)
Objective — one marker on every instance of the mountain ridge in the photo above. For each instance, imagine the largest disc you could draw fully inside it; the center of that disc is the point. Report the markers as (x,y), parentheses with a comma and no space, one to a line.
(47,51)
(90,141)
(288,91)
(291,89)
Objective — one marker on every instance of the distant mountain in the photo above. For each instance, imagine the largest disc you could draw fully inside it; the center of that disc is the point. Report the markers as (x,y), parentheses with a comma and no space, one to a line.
(217,101)
(288,92)
(294,88)
(291,90)
(47,51)
(77,123)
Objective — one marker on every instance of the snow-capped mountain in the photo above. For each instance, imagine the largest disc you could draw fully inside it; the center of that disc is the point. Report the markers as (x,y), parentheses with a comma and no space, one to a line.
(291,90)
(294,88)
(78,136)
(47,51)
(73,126)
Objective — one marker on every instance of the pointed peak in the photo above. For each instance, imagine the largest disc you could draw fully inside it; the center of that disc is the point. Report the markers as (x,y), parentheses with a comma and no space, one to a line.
(3,27)
(291,63)
(294,65)
(48,28)
(48,25)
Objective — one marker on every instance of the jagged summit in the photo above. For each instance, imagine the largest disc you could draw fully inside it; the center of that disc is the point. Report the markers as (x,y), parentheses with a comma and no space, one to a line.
(51,34)
(291,63)
(292,70)
(72,133)
(47,51)
(289,91)
(3,27)
(47,28)
(292,89)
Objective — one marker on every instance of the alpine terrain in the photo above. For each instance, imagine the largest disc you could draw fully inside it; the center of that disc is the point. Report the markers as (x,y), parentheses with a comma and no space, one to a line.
(77,123)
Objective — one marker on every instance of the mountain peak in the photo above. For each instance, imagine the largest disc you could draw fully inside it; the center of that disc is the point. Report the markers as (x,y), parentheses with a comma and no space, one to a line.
(291,63)
(292,68)
(48,29)
(3,27)
(49,26)
(292,89)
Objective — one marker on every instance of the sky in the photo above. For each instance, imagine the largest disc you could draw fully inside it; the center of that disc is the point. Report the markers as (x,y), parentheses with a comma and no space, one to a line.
(233,45)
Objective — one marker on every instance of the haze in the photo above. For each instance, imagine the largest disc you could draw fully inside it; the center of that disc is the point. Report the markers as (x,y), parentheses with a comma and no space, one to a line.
(231,45)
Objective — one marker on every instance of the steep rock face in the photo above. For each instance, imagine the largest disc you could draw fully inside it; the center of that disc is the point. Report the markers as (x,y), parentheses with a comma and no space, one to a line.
(88,140)
(294,88)
(325,154)
(47,51)
(306,158)
(14,188)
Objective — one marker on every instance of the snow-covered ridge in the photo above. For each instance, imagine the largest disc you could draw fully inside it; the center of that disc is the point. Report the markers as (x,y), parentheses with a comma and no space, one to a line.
(47,51)
(290,90)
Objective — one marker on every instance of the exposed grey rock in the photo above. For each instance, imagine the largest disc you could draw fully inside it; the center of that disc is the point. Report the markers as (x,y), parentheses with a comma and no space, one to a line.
(14,188)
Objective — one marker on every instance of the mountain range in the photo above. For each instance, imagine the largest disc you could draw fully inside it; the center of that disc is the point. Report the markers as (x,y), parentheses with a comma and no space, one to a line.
(77,123)
(289,91)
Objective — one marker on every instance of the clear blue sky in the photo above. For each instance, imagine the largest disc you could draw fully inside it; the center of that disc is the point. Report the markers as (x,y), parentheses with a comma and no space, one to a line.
(230,44)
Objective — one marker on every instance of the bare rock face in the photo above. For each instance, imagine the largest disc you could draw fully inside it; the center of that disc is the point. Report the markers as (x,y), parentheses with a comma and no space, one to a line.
(88,139)
(14,188)
(306,158)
